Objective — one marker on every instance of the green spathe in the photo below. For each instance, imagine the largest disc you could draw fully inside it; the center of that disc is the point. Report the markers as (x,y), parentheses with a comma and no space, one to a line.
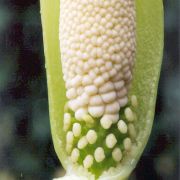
(145,79)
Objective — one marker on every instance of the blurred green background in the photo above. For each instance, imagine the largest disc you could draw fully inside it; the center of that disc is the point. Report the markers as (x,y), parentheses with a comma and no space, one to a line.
(26,150)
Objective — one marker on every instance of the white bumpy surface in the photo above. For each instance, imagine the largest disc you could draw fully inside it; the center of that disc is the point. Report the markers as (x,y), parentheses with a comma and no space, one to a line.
(97,44)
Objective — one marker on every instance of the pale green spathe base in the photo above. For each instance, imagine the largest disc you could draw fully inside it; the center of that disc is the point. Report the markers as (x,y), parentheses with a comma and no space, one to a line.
(145,80)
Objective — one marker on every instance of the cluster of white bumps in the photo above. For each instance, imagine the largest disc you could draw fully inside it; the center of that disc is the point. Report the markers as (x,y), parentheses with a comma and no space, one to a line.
(97,44)
(91,137)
